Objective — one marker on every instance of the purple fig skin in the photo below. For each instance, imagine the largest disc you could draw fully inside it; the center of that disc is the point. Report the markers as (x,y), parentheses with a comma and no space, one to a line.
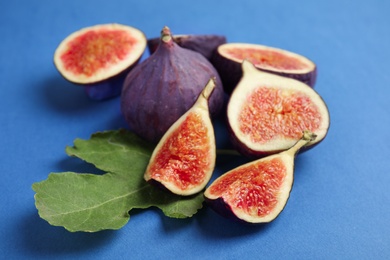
(231,73)
(223,209)
(164,86)
(204,44)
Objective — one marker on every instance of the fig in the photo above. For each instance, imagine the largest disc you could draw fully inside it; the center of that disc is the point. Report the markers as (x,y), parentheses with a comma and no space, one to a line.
(99,57)
(184,158)
(164,86)
(229,56)
(258,191)
(205,44)
(267,113)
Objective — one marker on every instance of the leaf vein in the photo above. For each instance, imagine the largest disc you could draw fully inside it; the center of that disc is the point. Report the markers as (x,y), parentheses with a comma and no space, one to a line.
(89,209)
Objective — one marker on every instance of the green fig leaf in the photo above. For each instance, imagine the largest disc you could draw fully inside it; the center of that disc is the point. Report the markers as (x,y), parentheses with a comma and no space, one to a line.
(118,151)
(90,202)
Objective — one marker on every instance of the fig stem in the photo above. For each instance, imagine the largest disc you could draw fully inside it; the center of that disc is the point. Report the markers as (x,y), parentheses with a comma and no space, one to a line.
(248,66)
(203,98)
(307,137)
(209,88)
(166,35)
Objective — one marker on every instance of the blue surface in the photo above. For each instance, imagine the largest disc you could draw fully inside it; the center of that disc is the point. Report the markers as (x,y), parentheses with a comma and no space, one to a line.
(340,203)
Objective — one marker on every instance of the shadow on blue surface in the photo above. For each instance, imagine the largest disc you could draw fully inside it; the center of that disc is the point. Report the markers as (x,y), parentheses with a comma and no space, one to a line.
(60,98)
(41,239)
(73,164)
(213,225)
(64,96)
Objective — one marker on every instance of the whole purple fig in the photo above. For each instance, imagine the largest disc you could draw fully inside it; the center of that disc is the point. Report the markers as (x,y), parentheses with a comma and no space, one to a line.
(164,86)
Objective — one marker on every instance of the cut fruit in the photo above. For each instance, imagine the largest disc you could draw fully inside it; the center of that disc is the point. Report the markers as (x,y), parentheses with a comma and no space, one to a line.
(229,57)
(184,159)
(258,191)
(204,44)
(99,57)
(267,113)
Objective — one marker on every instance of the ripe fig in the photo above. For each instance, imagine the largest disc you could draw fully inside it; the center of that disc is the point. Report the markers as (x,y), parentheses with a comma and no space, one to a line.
(267,113)
(99,57)
(164,86)
(229,56)
(184,159)
(205,44)
(258,191)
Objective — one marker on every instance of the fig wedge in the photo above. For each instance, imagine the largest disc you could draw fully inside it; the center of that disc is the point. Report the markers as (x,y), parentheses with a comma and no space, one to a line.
(267,113)
(184,159)
(258,191)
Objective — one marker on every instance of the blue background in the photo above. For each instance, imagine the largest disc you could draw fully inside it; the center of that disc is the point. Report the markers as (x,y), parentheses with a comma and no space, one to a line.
(340,203)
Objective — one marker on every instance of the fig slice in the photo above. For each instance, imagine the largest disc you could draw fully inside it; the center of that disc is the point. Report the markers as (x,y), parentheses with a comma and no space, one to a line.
(229,56)
(267,113)
(258,191)
(99,57)
(205,44)
(184,158)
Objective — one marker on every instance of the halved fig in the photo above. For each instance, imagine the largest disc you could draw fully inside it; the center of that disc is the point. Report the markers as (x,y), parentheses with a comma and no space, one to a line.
(99,57)
(229,56)
(205,44)
(258,191)
(184,159)
(267,113)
